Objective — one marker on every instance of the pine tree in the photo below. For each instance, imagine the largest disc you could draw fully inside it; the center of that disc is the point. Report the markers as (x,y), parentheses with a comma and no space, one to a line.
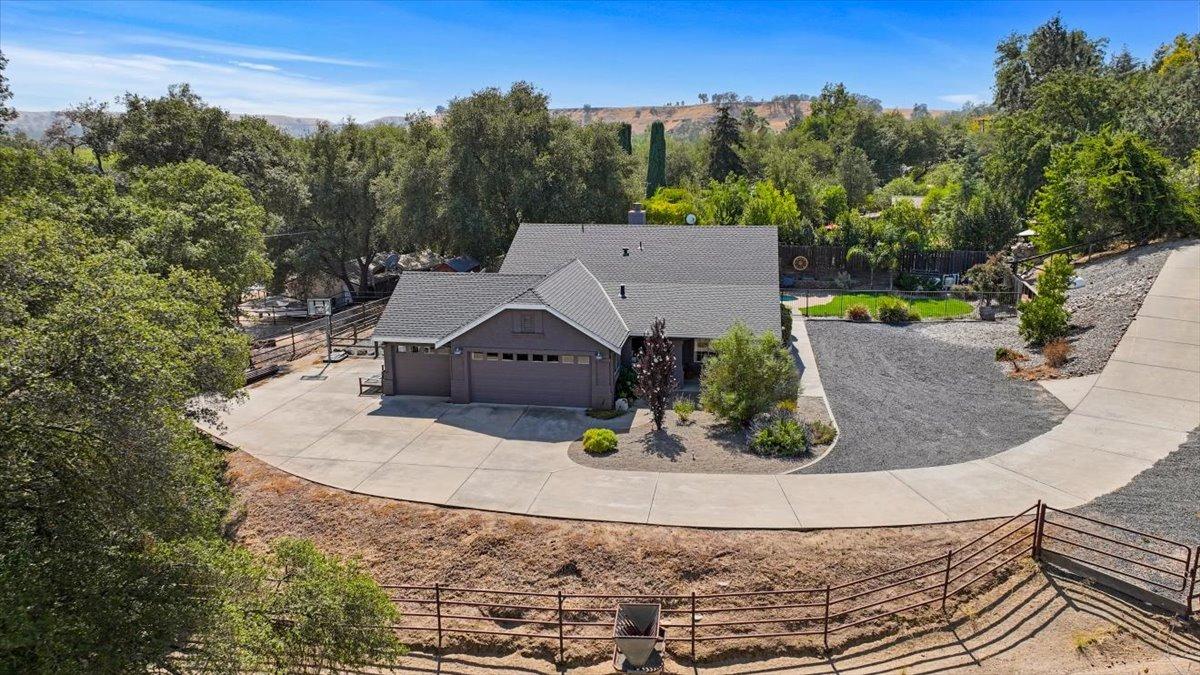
(656,173)
(625,137)
(723,158)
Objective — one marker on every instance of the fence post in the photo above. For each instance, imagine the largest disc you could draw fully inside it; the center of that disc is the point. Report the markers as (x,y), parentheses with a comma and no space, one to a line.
(694,627)
(1191,594)
(1038,527)
(293,345)
(437,603)
(825,633)
(946,579)
(560,626)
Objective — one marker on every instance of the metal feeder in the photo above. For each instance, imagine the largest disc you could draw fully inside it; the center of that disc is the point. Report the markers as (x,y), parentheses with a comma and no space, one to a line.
(639,637)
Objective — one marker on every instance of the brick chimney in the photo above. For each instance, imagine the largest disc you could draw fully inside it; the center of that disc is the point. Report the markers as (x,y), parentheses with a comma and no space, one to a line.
(637,215)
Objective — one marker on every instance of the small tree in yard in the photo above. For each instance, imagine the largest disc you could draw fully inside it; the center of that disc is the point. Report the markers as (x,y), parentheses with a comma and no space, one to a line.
(989,279)
(655,368)
(1046,318)
(747,375)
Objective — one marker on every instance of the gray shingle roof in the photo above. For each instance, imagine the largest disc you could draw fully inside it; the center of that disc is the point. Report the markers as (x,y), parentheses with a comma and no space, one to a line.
(427,306)
(573,292)
(697,310)
(657,253)
(700,279)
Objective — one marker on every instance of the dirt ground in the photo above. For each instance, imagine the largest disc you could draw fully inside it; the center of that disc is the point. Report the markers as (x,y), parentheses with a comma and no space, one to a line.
(703,445)
(401,542)
(1034,624)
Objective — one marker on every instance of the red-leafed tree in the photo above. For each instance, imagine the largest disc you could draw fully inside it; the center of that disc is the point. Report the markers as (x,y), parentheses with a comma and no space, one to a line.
(655,369)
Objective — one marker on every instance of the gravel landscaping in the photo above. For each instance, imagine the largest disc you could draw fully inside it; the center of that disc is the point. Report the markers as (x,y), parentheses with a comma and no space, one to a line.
(903,400)
(1163,500)
(1114,287)
(701,446)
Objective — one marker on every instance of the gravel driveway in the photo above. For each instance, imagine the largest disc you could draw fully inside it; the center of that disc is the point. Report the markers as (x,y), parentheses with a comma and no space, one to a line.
(903,400)
(1163,500)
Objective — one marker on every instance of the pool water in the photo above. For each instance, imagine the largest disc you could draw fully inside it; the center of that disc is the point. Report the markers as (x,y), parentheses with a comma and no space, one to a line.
(784,297)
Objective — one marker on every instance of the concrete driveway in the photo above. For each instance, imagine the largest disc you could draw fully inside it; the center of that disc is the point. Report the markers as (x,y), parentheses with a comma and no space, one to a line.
(312,423)
(417,448)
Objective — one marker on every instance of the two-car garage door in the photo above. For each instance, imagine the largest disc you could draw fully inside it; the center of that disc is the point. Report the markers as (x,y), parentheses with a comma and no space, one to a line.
(502,378)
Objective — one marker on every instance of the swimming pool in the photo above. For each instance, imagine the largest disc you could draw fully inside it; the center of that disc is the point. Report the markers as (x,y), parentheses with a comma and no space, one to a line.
(787,297)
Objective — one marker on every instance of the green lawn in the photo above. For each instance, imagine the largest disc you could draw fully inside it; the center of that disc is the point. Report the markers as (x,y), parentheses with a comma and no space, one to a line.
(928,308)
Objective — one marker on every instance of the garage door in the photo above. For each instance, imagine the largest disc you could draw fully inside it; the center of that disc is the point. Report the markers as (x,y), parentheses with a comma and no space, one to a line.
(421,373)
(531,379)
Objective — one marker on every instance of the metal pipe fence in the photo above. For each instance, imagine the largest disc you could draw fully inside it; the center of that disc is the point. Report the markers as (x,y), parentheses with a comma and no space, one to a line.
(694,618)
(343,328)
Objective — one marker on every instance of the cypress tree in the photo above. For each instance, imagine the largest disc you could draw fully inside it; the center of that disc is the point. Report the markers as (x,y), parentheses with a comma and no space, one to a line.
(723,158)
(656,173)
(625,137)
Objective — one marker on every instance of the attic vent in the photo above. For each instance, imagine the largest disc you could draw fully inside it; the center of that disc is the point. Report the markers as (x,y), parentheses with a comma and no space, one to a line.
(625,252)
(622,290)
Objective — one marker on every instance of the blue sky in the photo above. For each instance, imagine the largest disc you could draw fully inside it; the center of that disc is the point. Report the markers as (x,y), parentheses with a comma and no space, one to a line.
(369,59)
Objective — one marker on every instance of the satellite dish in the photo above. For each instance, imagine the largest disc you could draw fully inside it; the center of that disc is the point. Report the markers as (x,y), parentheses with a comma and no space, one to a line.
(690,219)
(800,263)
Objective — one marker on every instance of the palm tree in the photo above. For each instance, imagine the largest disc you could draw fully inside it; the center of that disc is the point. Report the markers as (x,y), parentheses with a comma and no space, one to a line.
(882,255)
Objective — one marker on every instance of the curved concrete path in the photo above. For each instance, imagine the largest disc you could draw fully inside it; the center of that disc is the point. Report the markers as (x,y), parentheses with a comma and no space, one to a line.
(513,459)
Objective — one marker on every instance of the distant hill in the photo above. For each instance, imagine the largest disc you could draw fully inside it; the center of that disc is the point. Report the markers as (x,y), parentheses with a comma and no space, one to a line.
(679,120)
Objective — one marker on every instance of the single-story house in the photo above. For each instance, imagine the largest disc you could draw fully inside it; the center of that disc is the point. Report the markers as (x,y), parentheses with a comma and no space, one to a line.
(462,263)
(569,306)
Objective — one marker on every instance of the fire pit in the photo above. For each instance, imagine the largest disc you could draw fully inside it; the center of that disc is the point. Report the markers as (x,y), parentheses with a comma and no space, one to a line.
(638,637)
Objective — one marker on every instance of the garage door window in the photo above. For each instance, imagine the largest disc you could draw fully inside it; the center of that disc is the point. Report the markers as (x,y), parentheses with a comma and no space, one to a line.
(476,356)
(522,357)
(583,360)
(567,358)
(552,358)
(538,357)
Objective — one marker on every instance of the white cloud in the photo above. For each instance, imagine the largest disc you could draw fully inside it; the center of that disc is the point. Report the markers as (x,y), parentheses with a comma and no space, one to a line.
(236,50)
(266,67)
(960,99)
(47,79)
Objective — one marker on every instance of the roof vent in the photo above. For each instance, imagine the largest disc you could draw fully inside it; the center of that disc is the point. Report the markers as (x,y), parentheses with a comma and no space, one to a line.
(625,252)
(622,290)
(639,245)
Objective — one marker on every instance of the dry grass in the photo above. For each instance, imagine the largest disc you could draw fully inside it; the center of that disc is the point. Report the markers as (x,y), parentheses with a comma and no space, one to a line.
(403,542)
(1094,639)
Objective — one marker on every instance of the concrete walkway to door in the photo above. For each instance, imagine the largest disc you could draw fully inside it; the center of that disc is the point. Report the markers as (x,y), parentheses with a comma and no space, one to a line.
(514,459)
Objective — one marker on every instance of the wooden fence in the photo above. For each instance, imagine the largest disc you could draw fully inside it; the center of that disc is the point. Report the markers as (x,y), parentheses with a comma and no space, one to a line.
(825,262)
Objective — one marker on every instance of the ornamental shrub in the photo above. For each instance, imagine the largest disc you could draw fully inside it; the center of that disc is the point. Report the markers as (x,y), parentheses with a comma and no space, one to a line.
(599,441)
(821,433)
(1042,319)
(785,322)
(779,435)
(684,407)
(891,309)
(747,375)
(858,313)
